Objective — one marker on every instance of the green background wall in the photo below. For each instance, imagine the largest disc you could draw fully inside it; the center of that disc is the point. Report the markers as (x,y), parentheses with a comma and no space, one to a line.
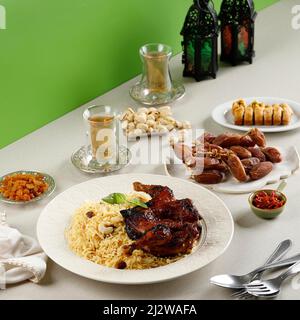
(58,54)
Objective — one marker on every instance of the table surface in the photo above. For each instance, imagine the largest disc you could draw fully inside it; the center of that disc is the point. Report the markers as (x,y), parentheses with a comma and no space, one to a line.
(274,73)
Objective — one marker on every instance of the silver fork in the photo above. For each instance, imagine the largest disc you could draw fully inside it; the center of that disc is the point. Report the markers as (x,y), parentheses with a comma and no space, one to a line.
(279,252)
(271,288)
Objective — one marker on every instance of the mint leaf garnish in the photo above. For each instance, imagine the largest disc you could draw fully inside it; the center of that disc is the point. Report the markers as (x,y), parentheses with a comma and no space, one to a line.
(120,198)
(138,203)
(115,198)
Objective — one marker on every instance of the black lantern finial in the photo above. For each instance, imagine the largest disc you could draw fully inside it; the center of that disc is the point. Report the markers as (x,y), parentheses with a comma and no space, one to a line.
(200,41)
(237,29)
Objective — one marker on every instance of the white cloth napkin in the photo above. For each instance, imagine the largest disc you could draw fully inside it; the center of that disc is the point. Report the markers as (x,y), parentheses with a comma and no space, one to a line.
(21,257)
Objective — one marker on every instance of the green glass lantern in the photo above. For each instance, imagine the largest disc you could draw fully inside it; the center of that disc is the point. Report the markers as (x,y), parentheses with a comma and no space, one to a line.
(237,30)
(200,41)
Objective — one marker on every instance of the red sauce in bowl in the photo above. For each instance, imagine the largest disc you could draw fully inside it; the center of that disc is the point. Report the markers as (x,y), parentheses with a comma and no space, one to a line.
(268,200)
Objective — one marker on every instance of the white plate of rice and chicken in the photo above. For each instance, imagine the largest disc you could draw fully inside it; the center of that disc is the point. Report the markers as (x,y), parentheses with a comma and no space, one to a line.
(135,229)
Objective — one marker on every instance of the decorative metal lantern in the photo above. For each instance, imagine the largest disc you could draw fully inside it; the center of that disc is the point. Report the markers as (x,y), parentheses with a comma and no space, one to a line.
(200,41)
(237,30)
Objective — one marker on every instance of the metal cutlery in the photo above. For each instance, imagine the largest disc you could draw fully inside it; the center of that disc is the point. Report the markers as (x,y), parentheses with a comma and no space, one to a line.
(239,282)
(279,252)
(271,288)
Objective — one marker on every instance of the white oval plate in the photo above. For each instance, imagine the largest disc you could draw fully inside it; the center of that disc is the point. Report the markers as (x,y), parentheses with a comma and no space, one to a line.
(281,171)
(222,115)
(56,217)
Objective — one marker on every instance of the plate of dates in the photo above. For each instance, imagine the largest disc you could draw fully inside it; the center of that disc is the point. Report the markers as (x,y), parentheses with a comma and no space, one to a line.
(232,163)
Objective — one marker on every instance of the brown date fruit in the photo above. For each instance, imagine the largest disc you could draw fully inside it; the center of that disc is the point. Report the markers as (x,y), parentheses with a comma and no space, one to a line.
(206,137)
(220,139)
(209,164)
(213,147)
(207,147)
(227,140)
(261,170)
(241,152)
(257,153)
(232,140)
(215,164)
(198,168)
(258,137)
(272,154)
(184,153)
(250,163)
(236,167)
(209,177)
(246,142)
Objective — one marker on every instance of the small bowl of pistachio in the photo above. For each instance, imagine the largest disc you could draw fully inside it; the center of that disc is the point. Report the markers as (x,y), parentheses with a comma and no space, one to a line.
(150,121)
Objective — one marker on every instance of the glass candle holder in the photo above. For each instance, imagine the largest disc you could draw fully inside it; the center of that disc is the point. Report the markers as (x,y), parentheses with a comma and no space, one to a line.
(102,127)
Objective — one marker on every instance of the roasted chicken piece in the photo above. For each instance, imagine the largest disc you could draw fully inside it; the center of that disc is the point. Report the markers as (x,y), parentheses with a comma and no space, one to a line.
(159,194)
(167,227)
(178,210)
(163,241)
(138,221)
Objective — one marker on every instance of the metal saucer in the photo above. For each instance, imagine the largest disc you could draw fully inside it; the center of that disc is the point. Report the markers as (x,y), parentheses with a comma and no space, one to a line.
(85,163)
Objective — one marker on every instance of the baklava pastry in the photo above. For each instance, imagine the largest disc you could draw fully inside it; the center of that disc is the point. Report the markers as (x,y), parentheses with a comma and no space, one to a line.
(259,109)
(239,116)
(260,114)
(238,111)
(287,114)
(236,105)
(277,115)
(268,116)
(249,115)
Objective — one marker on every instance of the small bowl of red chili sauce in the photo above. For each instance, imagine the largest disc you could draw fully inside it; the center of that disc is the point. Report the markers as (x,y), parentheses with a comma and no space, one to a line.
(267,204)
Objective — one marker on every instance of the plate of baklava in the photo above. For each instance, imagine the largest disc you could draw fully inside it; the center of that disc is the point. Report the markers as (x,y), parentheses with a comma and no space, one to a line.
(269,114)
